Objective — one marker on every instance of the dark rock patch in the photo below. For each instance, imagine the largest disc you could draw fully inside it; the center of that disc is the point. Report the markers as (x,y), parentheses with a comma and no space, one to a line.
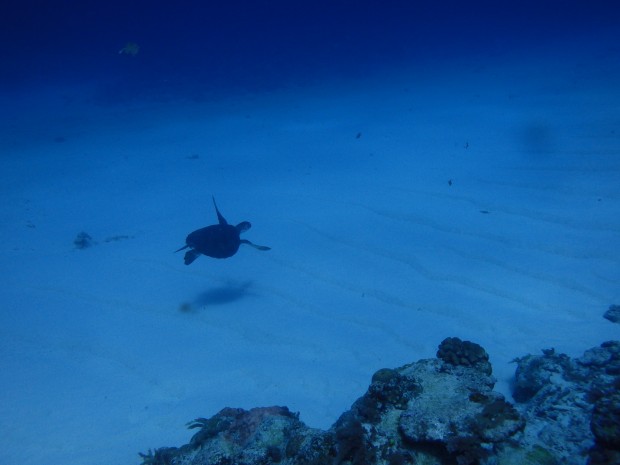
(613,314)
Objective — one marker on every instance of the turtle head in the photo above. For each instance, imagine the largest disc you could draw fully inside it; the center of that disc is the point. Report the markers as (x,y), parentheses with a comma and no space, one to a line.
(243,226)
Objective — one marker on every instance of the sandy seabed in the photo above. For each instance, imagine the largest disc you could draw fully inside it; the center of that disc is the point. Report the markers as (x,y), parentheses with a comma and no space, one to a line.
(475,201)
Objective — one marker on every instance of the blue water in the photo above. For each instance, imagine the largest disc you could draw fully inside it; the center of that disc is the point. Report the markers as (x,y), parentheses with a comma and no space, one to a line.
(197,49)
(480,138)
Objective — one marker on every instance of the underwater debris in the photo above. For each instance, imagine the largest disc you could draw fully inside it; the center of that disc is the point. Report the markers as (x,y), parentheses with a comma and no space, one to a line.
(186,307)
(121,237)
(83,240)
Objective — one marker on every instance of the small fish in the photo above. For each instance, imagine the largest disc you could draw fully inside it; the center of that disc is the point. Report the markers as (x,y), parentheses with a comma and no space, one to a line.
(130,48)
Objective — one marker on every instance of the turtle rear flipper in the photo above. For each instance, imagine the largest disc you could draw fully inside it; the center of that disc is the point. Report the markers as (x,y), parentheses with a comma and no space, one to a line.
(256,246)
(190,256)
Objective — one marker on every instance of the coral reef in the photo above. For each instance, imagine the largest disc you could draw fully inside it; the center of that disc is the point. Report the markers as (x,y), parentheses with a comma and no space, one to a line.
(434,412)
(465,353)
(572,405)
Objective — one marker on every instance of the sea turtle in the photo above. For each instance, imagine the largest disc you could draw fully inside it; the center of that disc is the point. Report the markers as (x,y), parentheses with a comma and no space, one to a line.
(218,240)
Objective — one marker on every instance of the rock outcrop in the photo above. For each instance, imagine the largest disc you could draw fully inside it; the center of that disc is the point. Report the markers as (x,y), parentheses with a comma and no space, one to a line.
(613,314)
(436,411)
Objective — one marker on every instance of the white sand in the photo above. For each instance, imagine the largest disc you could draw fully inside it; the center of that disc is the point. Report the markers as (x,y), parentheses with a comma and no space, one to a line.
(375,258)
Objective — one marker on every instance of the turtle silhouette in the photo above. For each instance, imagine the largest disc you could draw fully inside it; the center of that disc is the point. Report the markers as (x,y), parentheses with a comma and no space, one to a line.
(220,240)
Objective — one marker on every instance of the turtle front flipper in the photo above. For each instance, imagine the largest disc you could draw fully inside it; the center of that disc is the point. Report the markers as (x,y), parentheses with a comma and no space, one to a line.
(221,220)
(190,256)
(256,246)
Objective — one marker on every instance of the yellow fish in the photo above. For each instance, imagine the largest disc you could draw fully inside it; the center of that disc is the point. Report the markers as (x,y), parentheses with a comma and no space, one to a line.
(130,48)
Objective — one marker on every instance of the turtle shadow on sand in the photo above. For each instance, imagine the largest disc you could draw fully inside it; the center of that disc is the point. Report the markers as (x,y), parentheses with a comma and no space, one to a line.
(220,240)
(224,294)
